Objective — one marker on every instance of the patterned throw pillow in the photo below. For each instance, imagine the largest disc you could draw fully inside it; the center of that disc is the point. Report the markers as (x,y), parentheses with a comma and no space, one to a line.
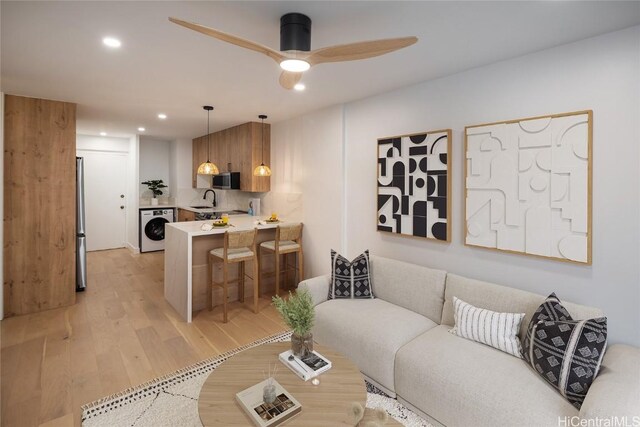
(497,330)
(350,279)
(567,353)
(551,309)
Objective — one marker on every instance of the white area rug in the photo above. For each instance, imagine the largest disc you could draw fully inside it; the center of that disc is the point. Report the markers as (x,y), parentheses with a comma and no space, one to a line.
(172,400)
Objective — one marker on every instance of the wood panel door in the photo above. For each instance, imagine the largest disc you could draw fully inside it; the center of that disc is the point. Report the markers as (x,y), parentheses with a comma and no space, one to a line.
(39,204)
(105,189)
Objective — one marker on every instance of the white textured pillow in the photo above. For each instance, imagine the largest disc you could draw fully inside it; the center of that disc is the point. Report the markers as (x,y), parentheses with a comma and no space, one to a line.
(498,330)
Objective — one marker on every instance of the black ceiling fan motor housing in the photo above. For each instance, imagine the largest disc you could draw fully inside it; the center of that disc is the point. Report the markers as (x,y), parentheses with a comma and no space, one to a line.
(295,32)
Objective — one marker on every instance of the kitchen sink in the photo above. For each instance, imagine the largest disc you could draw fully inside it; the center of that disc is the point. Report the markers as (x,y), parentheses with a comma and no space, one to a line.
(202,207)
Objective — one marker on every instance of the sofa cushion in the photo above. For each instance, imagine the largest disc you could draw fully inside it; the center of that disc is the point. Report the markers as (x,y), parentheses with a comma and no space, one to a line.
(461,383)
(501,298)
(416,288)
(369,332)
(497,330)
(350,279)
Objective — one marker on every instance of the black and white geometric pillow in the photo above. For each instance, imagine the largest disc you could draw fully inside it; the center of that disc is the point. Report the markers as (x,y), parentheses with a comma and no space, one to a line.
(350,279)
(551,309)
(567,353)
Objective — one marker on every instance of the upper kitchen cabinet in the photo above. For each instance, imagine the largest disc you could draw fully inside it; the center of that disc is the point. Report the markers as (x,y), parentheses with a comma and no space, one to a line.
(236,149)
(200,154)
(39,204)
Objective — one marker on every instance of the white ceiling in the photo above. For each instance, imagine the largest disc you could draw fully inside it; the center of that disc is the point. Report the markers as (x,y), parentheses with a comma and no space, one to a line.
(54,50)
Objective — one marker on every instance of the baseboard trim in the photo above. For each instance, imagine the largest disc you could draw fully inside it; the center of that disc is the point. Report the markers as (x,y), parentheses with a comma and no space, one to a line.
(132,248)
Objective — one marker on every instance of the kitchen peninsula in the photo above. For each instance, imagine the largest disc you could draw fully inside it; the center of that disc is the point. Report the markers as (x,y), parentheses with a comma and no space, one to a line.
(185,263)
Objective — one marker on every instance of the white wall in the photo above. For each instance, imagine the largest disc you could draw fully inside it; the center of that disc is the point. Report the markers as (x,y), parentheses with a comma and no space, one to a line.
(306,157)
(155,164)
(601,74)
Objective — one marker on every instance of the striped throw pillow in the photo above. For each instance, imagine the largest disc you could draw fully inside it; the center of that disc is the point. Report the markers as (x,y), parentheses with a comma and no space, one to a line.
(498,330)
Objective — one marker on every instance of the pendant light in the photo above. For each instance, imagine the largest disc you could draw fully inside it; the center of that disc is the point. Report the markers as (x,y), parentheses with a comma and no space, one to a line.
(262,170)
(208,168)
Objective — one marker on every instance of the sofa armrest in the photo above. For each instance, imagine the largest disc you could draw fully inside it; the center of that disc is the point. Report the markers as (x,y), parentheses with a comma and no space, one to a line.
(318,288)
(616,390)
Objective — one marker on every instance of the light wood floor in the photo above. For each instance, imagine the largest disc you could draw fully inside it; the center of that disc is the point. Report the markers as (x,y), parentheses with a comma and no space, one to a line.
(120,333)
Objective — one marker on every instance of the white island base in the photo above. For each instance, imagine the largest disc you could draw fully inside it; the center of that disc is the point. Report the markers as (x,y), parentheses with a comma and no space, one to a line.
(185,264)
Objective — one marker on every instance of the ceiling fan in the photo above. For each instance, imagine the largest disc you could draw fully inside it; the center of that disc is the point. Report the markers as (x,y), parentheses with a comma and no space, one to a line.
(295,55)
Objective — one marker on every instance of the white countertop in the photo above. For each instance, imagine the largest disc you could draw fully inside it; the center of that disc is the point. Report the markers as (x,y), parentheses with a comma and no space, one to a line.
(141,206)
(238,222)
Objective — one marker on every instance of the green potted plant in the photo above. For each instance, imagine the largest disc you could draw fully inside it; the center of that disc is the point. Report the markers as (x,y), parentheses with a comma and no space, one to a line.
(297,312)
(156,186)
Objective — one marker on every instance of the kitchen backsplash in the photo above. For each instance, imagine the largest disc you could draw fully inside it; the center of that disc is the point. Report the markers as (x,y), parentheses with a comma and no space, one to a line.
(286,205)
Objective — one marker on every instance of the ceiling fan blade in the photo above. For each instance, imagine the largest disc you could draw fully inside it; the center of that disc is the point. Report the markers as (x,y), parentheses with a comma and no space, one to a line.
(288,79)
(247,44)
(359,50)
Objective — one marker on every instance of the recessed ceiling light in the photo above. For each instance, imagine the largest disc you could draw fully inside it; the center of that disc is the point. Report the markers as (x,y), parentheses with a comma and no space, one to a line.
(162,116)
(295,65)
(112,42)
(103,134)
(299,87)
(141,129)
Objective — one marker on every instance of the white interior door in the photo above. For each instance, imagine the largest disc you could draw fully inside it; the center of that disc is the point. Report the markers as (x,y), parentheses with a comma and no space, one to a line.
(105,189)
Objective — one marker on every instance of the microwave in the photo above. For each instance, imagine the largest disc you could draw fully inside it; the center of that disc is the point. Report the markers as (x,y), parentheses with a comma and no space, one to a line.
(226,181)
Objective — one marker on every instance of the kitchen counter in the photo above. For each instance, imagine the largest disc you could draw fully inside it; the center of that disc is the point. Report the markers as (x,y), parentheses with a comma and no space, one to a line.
(141,206)
(206,210)
(186,272)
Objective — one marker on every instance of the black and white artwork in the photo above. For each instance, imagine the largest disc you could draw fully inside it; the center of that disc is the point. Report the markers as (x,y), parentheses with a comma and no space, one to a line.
(414,185)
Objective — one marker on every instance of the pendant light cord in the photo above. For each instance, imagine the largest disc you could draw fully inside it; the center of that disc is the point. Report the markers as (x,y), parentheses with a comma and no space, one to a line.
(208,138)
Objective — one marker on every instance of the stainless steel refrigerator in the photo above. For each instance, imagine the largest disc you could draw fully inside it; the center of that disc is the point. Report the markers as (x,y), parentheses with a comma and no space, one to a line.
(81,239)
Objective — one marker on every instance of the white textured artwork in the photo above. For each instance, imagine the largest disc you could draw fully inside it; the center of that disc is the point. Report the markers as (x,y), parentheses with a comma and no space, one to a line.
(528,186)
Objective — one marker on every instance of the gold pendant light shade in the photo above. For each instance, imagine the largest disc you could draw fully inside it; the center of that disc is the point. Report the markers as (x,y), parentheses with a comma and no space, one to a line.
(208,168)
(262,170)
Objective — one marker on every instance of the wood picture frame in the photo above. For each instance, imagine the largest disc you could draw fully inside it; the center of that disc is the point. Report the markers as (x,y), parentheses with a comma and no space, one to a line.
(544,168)
(414,185)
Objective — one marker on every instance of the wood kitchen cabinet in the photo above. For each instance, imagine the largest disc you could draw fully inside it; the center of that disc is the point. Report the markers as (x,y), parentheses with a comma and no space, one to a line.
(236,149)
(39,205)
(185,215)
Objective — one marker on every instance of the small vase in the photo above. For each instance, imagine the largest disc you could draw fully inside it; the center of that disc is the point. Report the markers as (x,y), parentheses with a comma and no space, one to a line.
(301,346)
(154,201)
(269,393)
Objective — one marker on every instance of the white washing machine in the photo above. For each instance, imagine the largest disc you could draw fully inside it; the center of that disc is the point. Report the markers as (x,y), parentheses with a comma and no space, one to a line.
(152,222)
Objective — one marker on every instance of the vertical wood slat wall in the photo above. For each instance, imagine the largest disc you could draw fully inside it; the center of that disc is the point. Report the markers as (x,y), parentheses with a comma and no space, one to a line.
(39,204)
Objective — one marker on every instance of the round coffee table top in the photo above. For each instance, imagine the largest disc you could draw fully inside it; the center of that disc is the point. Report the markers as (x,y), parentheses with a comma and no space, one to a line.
(328,403)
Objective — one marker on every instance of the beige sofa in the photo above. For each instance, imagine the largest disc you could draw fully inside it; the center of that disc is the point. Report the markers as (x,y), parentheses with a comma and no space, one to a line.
(400,342)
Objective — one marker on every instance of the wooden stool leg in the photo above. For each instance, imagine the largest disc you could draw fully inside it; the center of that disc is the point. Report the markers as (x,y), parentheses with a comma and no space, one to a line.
(225,291)
(300,267)
(277,261)
(256,284)
(241,281)
(210,283)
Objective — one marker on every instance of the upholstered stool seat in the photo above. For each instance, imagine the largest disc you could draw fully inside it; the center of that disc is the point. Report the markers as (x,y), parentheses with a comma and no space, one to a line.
(239,246)
(285,247)
(288,241)
(233,254)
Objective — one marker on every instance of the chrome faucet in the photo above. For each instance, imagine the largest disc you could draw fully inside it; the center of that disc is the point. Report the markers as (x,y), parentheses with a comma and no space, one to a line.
(214,196)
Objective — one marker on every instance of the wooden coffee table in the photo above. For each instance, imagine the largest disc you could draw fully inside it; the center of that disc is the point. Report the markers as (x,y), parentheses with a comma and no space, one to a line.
(326,404)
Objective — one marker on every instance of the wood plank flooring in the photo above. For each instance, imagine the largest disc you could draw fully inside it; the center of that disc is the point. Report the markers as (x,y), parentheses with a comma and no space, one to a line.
(120,333)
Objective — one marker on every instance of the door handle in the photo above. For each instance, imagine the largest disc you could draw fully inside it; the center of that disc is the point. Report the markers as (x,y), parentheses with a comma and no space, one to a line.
(121,207)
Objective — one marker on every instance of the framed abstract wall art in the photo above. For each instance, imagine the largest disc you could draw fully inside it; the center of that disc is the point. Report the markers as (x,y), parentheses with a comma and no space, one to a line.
(414,185)
(528,186)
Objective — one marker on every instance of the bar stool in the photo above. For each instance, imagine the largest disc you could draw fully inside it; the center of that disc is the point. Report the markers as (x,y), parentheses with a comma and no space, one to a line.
(288,241)
(239,246)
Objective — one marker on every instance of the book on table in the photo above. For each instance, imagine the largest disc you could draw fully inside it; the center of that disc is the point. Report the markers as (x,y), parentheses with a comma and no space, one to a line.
(307,367)
(268,414)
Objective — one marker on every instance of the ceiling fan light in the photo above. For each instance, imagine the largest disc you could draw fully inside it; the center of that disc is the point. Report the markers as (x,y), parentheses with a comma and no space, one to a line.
(208,168)
(295,65)
(262,170)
